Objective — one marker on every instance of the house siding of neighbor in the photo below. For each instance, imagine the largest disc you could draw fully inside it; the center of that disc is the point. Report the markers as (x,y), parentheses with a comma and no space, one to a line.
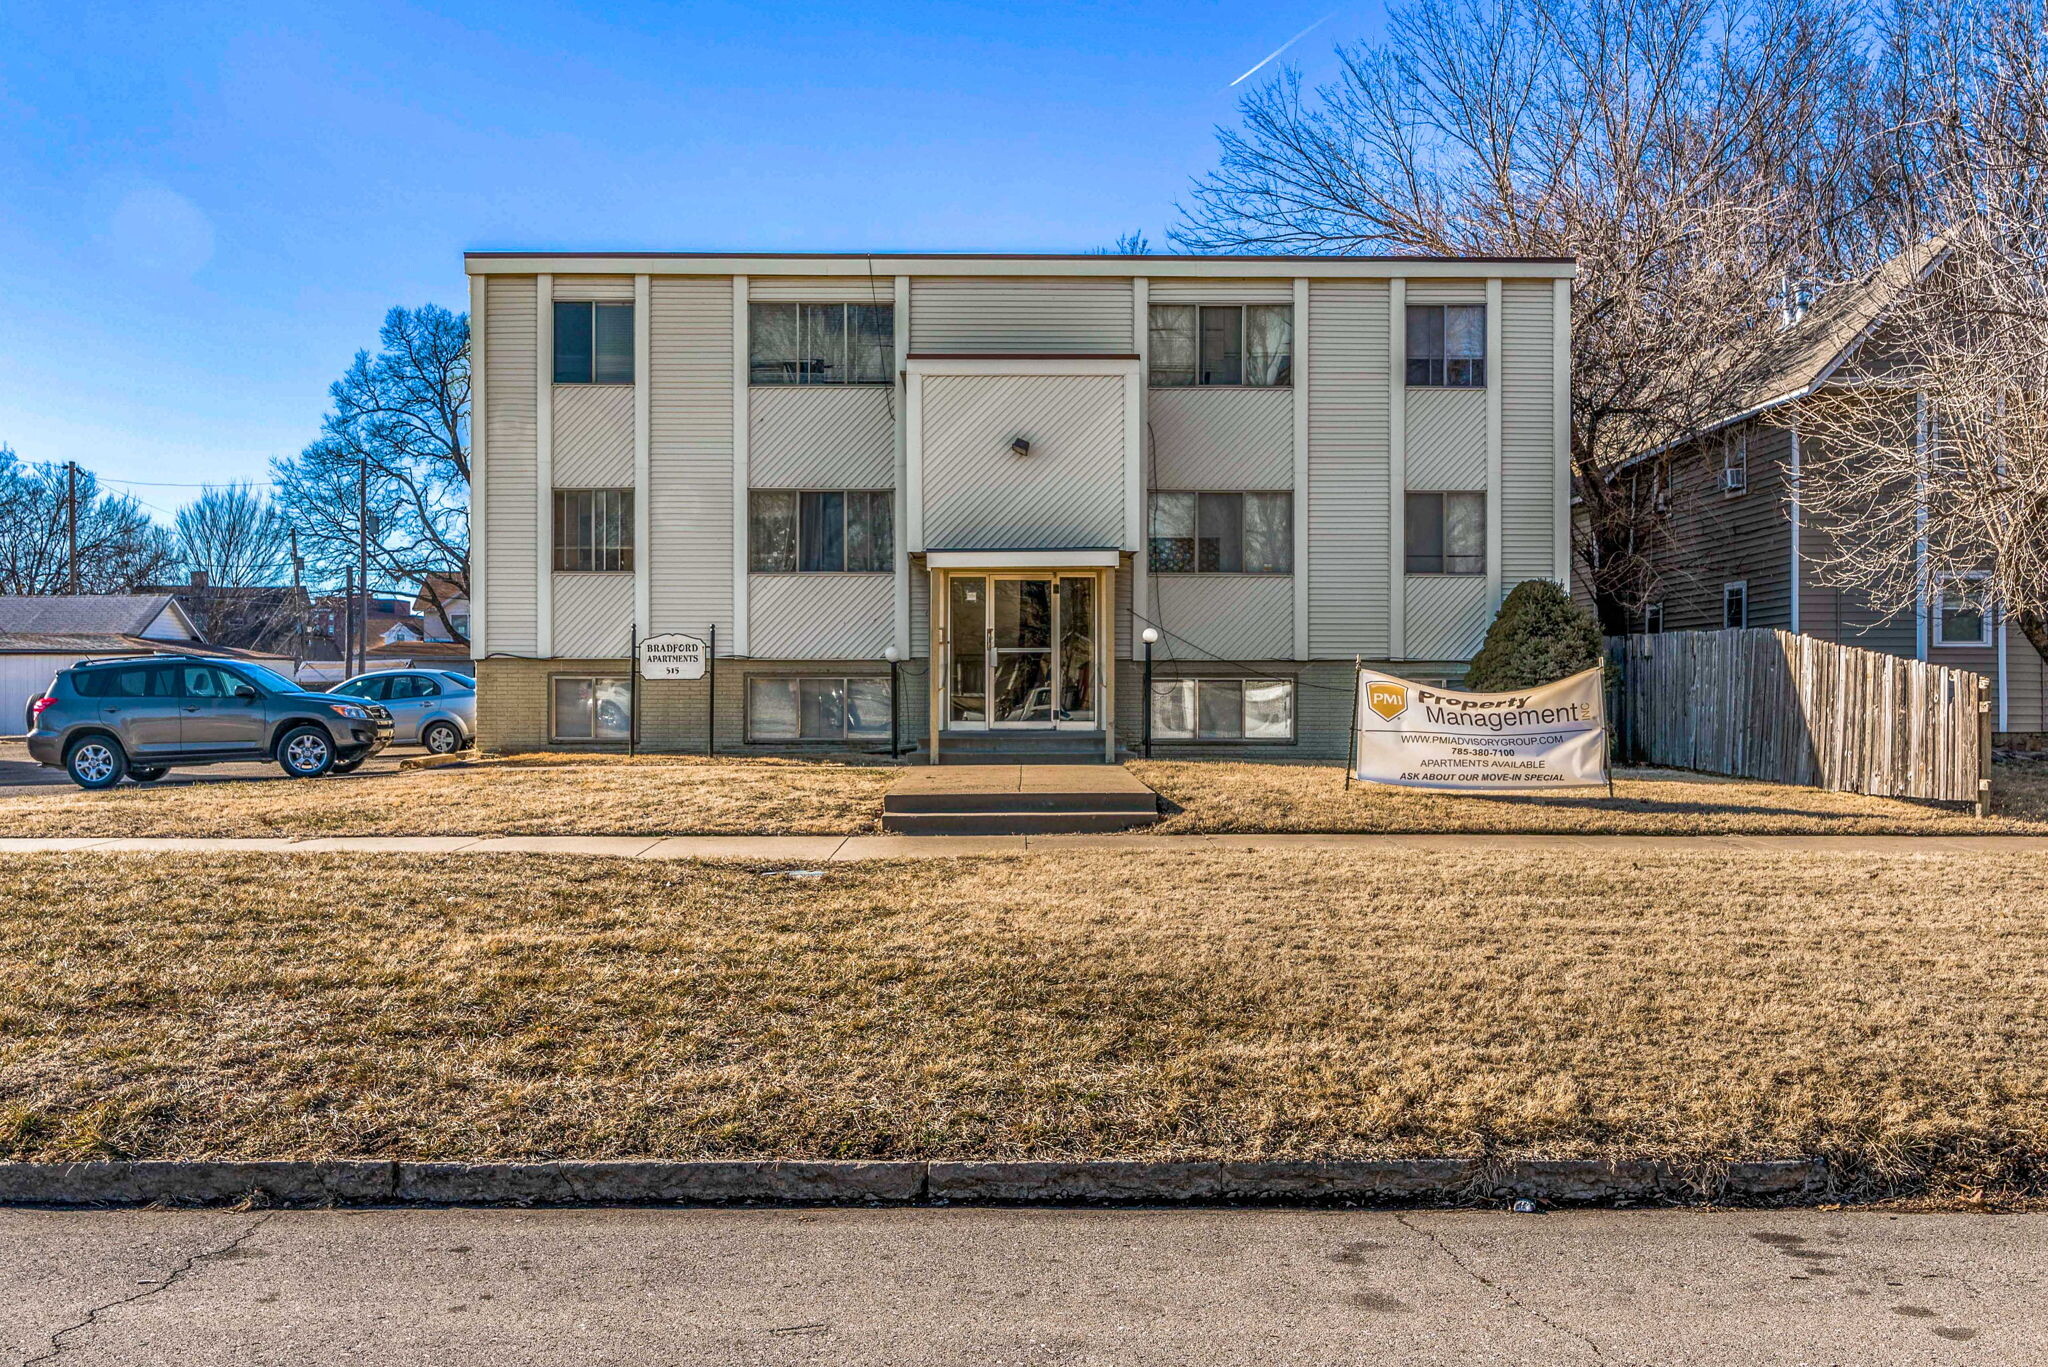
(1002,469)
(1713,538)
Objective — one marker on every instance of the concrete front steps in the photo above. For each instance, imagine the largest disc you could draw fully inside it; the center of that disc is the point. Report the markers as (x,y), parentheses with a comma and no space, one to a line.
(1019,747)
(1017,799)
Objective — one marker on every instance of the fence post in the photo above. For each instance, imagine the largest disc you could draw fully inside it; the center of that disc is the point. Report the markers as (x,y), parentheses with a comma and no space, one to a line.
(1983,747)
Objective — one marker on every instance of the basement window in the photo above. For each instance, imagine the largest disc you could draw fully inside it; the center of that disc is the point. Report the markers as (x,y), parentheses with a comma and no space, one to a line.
(1223,709)
(817,709)
(591,708)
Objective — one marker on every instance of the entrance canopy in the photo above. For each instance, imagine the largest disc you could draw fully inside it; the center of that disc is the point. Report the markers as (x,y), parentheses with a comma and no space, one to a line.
(1022,560)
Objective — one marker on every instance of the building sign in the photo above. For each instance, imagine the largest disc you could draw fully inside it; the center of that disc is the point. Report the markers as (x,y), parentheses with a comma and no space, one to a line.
(672,656)
(1421,736)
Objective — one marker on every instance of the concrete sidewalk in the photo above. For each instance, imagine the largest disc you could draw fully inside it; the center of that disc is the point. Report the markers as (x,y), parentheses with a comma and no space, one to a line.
(826,849)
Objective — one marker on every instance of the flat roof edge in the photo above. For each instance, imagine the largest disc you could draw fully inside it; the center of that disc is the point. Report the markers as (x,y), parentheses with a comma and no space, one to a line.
(946,263)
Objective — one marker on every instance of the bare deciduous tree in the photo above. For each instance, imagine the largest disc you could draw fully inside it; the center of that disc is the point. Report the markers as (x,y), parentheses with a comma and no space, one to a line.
(236,537)
(119,547)
(1693,157)
(400,424)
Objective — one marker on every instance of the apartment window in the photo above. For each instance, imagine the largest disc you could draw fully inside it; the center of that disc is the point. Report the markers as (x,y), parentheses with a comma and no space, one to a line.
(1961,617)
(592,708)
(1735,604)
(821,343)
(1734,461)
(1653,618)
(1446,533)
(1447,345)
(1222,533)
(594,529)
(1223,709)
(822,531)
(1236,344)
(593,343)
(827,709)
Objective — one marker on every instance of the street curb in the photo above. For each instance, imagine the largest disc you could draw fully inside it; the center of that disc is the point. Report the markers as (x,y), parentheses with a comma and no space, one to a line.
(1422,1181)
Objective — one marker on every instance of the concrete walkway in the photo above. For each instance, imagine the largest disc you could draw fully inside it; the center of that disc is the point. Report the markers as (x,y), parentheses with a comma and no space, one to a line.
(825,849)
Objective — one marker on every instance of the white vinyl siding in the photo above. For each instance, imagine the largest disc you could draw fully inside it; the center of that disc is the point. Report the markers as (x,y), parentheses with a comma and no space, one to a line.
(593,436)
(1218,438)
(821,437)
(1195,290)
(1025,316)
(819,616)
(1529,496)
(1223,617)
(690,562)
(823,289)
(1348,498)
(510,488)
(616,288)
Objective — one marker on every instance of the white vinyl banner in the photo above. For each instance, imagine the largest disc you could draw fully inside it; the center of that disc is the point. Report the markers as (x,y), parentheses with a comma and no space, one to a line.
(1421,736)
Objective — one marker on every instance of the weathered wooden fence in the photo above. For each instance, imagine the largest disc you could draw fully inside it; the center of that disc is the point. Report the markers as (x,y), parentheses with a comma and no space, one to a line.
(1792,709)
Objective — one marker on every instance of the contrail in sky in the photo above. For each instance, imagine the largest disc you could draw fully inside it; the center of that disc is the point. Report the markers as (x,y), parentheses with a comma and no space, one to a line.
(1289,43)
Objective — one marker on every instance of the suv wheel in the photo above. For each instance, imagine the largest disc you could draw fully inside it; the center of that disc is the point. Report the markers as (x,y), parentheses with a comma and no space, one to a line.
(96,762)
(305,752)
(441,738)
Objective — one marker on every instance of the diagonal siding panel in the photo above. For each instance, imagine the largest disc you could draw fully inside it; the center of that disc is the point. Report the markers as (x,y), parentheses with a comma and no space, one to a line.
(1447,616)
(819,616)
(1221,438)
(1224,616)
(1348,466)
(1446,439)
(689,372)
(511,595)
(593,616)
(593,436)
(821,437)
(1069,492)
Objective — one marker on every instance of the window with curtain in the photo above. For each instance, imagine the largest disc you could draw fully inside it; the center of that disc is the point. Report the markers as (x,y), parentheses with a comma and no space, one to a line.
(821,343)
(1222,344)
(1447,345)
(1222,533)
(821,531)
(825,709)
(593,342)
(1446,533)
(1223,709)
(594,530)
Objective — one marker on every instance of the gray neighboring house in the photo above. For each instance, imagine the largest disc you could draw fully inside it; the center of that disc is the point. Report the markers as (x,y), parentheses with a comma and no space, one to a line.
(1735,550)
(42,634)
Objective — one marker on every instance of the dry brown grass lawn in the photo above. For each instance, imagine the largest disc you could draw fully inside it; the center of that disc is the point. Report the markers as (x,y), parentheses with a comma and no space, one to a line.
(521,795)
(1885,1012)
(1240,799)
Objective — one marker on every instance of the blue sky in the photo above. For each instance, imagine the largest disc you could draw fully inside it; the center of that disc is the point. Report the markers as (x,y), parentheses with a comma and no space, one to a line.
(207,207)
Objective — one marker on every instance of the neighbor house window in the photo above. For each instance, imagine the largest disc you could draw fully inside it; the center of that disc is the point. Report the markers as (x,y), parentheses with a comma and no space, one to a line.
(1446,533)
(821,343)
(817,709)
(821,531)
(1653,618)
(593,343)
(594,529)
(1735,461)
(1962,619)
(1241,344)
(1223,533)
(1735,604)
(592,708)
(1223,709)
(1447,345)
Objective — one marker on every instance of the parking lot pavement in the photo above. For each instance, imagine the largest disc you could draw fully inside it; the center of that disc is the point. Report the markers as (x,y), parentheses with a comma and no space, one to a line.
(18,771)
(1020,1288)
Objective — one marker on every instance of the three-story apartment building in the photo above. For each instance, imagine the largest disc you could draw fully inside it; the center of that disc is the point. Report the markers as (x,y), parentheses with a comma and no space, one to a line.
(990,478)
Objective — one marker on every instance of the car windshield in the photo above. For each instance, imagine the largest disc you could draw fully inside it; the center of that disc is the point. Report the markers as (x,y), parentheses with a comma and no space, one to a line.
(266,678)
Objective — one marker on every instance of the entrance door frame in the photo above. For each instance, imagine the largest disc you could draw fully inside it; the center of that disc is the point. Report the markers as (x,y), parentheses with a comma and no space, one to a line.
(1103,638)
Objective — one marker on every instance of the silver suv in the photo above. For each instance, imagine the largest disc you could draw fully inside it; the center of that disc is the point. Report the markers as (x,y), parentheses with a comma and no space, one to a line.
(432,707)
(104,720)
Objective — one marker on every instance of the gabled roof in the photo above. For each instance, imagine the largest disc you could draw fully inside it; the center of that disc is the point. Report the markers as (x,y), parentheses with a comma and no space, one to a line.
(100,615)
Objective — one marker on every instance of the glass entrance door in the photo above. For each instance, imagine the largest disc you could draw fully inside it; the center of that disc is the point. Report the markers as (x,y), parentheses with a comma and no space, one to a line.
(1022,651)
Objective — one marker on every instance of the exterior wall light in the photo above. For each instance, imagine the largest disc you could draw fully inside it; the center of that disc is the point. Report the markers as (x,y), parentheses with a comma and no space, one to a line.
(1020,446)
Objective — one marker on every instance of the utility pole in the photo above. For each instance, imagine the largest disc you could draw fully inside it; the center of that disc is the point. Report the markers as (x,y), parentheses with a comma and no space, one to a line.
(363,559)
(71,519)
(298,613)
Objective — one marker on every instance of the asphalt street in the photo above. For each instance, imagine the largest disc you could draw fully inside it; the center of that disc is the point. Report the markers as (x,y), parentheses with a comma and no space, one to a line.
(1031,1288)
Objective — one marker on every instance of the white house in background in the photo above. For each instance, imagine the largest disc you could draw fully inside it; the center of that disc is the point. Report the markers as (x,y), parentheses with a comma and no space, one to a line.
(42,634)
(1000,471)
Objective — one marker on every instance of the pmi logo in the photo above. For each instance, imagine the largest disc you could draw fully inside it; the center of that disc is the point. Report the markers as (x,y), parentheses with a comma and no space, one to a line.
(1389,700)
